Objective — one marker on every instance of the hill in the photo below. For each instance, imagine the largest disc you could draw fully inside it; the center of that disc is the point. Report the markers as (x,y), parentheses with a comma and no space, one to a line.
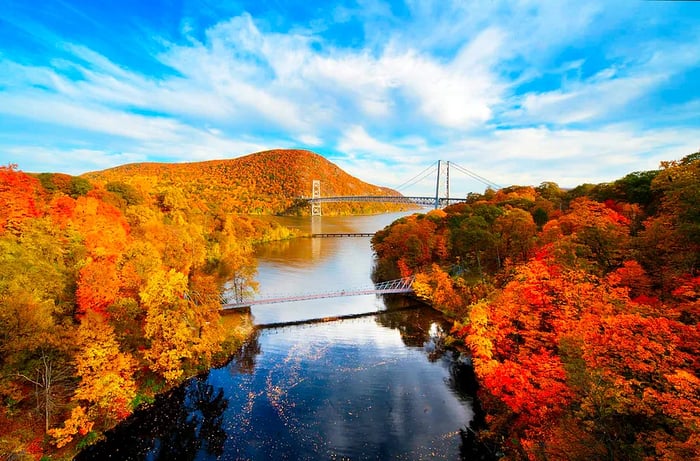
(269,182)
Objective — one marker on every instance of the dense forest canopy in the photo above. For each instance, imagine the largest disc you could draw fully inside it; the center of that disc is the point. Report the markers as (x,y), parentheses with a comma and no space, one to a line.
(580,309)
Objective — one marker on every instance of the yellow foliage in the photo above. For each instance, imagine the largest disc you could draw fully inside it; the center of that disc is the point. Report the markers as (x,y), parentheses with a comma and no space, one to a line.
(106,382)
(421,287)
(78,423)
(163,288)
(478,340)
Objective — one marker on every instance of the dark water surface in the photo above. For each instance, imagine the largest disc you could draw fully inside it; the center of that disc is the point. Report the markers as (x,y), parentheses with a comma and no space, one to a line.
(373,387)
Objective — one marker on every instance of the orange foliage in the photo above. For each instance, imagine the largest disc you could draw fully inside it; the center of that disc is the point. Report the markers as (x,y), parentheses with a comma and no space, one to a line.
(411,243)
(78,423)
(589,347)
(98,285)
(559,339)
(268,182)
(104,228)
(62,209)
(20,196)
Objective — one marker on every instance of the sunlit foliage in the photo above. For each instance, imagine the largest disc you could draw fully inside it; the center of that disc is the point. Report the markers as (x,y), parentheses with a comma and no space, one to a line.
(270,182)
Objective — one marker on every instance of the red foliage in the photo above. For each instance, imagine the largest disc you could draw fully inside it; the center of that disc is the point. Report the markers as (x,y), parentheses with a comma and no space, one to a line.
(20,196)
(98,286)
(62,208)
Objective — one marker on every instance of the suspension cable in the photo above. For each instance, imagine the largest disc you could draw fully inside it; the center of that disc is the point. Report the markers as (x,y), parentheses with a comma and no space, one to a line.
(473,175)
(417,178)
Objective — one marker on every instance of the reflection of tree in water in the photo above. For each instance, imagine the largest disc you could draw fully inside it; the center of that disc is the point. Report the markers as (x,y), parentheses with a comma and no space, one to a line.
(420,327)
(425,328)
(208,405)
(176,427)
(243,361)
(398,302)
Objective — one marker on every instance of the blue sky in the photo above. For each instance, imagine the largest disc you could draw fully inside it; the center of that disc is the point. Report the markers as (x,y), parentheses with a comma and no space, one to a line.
(517,91)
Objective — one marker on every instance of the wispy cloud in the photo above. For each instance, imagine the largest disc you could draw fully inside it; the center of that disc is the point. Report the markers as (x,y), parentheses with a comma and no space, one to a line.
(524,91)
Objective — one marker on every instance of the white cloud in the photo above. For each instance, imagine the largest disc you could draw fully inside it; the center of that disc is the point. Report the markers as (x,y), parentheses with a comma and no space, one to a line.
(45,107)
(310,140)
(600,97)
(571,157)
(355,140)
(70,161)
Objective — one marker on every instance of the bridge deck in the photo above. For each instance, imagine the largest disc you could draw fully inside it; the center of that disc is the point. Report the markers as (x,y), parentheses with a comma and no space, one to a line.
(342,234)
(309,296)
(390,287)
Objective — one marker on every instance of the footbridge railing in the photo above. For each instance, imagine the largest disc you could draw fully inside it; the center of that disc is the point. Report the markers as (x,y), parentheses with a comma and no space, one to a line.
(404,285)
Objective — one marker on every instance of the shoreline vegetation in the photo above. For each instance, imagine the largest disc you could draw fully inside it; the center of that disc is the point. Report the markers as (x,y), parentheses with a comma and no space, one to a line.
(110,284)
(580,309)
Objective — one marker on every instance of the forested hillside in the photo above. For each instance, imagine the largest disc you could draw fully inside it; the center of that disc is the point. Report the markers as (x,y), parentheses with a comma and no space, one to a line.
(108,295)
(580,309)
(270,182)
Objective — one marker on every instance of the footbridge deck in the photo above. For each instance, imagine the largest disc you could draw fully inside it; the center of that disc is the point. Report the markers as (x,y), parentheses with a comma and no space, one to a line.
(398,286)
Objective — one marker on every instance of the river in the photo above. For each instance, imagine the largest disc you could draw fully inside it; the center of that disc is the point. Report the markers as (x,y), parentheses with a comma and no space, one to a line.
(370,387)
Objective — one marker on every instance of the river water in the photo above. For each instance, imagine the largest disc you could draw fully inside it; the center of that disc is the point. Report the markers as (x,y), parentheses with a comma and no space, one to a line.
(367,387)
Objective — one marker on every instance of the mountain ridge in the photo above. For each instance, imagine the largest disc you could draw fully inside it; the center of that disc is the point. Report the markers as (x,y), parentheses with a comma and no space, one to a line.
(267,182)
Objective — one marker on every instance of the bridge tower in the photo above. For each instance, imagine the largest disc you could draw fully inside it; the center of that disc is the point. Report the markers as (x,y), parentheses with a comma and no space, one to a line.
(316,193)
(442,168)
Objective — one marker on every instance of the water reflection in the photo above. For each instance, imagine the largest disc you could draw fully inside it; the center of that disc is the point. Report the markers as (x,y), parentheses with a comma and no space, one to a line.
(418,328)
(243,361)
(186,423)
(368,388)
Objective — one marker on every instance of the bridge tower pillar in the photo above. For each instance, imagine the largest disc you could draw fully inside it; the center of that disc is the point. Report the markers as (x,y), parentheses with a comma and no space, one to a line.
(437,185)
(447,183)
(316,193)
(442,168)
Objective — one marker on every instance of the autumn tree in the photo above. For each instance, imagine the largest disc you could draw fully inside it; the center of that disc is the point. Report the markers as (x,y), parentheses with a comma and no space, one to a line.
(516,229)
(106,387)
(410,243)
(20,197)
(591,236)
(438,288)
(36,305)
(181,331)
(670,241)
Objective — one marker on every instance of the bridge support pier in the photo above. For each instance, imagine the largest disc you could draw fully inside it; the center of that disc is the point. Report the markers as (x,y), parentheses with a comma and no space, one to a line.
(316,193)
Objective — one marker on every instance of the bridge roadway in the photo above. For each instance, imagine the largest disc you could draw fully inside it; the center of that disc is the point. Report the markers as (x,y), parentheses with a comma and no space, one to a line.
(425,201)
(390,287)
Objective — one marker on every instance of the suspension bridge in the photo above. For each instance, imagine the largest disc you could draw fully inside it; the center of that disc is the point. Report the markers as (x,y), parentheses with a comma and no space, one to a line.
(398,286)
(440,169)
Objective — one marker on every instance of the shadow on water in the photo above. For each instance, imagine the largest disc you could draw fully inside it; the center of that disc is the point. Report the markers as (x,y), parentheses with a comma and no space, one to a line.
(181,424)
